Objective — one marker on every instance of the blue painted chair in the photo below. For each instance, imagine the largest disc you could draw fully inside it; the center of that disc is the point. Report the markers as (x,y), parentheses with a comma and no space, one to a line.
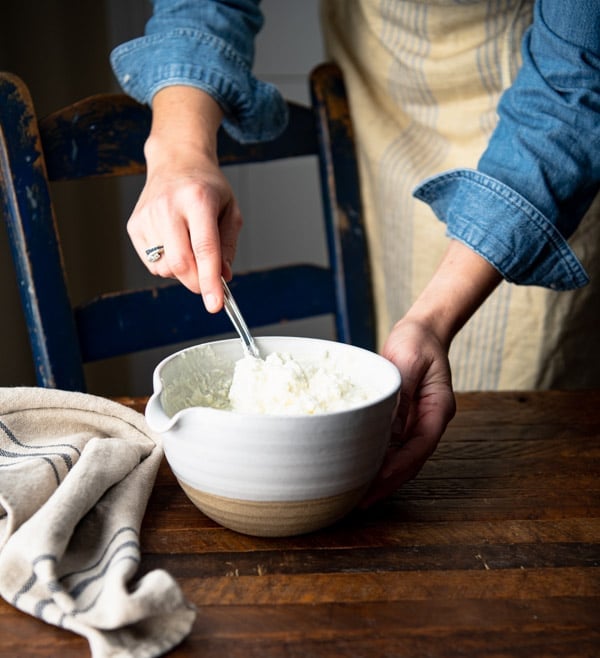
(104,136)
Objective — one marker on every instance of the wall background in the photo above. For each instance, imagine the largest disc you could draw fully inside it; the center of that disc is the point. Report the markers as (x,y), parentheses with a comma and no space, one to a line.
(61,49)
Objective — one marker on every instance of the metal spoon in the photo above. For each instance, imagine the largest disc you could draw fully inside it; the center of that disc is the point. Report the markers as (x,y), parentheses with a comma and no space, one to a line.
(238,322)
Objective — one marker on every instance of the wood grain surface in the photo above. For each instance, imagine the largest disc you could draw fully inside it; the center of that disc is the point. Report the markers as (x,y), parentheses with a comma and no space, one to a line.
(493,550)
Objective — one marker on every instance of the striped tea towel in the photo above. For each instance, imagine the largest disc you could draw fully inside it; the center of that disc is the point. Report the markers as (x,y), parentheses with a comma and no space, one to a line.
(76,472)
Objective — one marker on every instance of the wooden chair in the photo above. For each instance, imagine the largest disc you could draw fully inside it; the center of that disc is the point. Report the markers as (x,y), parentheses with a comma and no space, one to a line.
(104,136)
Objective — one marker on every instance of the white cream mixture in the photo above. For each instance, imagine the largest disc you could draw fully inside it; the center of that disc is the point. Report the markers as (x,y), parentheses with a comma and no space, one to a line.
(280,384)
(304,384)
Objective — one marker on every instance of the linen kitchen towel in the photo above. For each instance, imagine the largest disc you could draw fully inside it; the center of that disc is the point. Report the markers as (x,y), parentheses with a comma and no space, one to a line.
(76,472)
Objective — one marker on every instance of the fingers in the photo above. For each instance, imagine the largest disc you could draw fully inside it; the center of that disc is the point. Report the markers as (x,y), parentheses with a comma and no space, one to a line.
(213,245)
(197,223)
(205,266)
(230,227)
(401,464)
(420,438)
(410,451)
(425,408)
(176,259)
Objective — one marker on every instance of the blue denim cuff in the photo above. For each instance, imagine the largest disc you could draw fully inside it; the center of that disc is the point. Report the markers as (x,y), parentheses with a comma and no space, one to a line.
(504,228)
(254,111)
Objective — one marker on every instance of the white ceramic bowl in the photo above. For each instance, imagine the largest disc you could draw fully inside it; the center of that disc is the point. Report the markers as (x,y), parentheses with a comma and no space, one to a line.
(271,475)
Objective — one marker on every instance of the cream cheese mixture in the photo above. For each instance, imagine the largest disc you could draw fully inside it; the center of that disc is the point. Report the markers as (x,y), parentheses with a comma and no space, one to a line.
(281,384)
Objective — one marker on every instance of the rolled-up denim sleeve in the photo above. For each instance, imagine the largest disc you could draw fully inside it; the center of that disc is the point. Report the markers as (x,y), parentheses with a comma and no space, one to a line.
(541,169)
(207,44)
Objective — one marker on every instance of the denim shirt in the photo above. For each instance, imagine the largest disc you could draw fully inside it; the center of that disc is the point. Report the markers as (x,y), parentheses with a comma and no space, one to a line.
(207,44)
(534,182)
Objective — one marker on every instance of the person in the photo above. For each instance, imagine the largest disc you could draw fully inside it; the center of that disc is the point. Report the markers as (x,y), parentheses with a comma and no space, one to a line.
(504,148)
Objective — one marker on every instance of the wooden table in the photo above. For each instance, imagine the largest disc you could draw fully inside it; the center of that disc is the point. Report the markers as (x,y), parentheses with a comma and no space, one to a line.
(494,550)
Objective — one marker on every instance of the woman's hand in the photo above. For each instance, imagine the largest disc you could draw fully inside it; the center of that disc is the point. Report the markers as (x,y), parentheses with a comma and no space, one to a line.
(187,206)
(426,404)
(418,345)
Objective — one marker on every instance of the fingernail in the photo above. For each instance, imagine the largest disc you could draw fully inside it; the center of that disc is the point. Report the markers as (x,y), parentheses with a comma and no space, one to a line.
(210,301)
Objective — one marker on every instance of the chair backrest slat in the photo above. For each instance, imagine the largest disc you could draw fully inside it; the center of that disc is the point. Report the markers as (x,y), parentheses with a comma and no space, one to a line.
(119,315)
(104,135)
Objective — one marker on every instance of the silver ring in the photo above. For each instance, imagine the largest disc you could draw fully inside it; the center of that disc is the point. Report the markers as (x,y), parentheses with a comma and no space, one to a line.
(154,253)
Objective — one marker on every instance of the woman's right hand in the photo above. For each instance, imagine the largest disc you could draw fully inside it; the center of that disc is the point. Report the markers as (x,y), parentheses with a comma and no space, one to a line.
(187,205)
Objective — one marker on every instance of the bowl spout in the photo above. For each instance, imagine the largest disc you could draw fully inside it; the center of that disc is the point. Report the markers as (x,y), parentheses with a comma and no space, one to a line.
(157,419)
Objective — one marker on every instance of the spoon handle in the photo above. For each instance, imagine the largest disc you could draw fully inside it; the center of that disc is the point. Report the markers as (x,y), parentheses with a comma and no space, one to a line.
(238,322)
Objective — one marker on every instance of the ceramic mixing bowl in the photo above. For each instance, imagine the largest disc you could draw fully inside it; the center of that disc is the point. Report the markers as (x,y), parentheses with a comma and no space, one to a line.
(271,475)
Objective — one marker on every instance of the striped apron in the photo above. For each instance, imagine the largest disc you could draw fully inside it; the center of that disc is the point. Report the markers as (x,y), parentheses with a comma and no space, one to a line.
(424,79)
